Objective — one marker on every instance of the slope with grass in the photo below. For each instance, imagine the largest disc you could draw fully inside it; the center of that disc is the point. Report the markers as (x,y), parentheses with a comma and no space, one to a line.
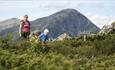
(97,53)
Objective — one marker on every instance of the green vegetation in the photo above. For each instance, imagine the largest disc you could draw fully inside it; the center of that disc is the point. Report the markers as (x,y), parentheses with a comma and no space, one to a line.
(97,53)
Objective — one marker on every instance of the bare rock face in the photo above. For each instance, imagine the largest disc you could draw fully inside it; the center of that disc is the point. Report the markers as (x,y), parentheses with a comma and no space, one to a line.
(63,36)
(107,29)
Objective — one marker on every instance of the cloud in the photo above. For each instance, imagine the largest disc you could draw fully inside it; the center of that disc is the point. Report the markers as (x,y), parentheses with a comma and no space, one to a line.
(102,20)
(34,8)
(42,8)
(43,3)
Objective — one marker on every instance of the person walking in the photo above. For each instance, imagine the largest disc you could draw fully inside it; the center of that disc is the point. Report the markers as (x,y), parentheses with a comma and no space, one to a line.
(24,29)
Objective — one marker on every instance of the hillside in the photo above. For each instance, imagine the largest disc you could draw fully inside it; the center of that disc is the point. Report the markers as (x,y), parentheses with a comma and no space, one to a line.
(97,53)
(68,21)
(9,25)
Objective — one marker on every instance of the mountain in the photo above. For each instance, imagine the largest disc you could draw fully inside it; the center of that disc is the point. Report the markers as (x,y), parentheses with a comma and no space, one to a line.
(9,25)
(68,21)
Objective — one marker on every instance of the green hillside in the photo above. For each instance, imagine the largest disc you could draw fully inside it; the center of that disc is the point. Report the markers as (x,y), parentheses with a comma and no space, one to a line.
(96,53)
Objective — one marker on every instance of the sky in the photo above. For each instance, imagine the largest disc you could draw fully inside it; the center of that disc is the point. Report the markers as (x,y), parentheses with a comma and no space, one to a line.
(100,12)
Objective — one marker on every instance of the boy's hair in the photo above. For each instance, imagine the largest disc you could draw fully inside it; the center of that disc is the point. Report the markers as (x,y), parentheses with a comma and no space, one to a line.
(37,33)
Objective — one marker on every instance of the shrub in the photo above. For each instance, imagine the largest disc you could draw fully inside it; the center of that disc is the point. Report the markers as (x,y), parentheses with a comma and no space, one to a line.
(97,52)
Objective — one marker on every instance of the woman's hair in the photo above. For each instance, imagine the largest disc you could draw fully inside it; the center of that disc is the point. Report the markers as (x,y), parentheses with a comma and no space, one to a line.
(26,16)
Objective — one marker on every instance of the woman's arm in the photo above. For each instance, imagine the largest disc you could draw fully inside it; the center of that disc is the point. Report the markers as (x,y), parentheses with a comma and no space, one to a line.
(20,29)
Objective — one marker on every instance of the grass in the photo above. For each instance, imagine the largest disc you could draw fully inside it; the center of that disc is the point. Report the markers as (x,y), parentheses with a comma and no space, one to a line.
(97,53)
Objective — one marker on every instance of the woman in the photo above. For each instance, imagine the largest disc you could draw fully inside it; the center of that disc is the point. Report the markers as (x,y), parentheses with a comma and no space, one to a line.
(24,29)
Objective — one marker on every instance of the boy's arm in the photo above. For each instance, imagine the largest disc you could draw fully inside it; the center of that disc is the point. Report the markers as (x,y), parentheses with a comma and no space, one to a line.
(39,37)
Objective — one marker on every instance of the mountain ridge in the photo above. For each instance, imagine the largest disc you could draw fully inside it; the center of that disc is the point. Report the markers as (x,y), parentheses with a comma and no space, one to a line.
(68,21)
(65,20)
